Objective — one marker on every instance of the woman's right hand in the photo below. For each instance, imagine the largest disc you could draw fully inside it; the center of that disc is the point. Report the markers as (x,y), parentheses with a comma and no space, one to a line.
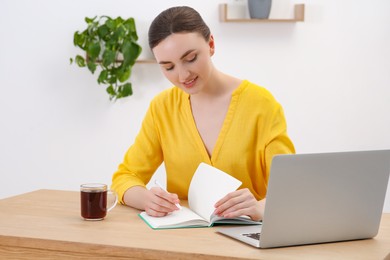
(159,203)
(155,202)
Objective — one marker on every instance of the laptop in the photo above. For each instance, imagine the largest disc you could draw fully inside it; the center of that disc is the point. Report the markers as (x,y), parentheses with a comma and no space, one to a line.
(320,198)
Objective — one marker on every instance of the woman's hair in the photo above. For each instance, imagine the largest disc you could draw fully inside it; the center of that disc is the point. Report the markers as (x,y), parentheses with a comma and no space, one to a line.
(176,20)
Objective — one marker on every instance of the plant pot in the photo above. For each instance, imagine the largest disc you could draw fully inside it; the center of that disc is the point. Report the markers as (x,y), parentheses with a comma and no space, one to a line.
(259,9)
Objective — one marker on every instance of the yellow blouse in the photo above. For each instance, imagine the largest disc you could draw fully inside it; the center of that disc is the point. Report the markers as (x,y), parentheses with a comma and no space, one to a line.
(253,131)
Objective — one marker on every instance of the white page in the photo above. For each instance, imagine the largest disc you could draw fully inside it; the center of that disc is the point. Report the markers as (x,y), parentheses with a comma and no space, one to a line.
(208,185)
(182,216)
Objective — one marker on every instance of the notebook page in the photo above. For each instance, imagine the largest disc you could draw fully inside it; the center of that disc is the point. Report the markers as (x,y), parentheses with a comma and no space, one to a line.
(208,185)
(178,218)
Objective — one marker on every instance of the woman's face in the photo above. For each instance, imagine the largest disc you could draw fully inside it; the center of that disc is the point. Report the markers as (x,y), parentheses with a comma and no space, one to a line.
(185,60)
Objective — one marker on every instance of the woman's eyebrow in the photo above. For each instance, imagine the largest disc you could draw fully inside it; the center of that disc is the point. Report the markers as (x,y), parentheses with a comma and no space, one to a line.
(182,57)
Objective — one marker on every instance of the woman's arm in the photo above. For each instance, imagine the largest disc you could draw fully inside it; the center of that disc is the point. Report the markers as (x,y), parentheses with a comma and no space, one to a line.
(140,161)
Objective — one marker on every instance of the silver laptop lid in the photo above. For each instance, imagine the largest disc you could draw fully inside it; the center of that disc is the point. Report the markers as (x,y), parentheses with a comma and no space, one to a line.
(316,198)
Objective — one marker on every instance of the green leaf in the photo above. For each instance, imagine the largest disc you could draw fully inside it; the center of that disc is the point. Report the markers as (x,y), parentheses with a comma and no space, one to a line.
(89,20)
(130,24)
(124,74)
(132,30)
(103,76)
(93,50)
(91,66)
(111,77)
(71,60)
(108,58)
(80,61)
(103,31)
(118,21)
(125,90)
(110,24)
(119,33)
(125,45)
(134,36)
(131,52)
(79,39)
(110,90)
(109,44)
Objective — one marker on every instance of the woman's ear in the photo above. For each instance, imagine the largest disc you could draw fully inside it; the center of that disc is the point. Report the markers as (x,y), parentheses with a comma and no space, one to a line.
(212,45)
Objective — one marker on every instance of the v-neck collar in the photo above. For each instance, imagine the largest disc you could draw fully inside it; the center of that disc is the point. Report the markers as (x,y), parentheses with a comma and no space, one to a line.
(224,129)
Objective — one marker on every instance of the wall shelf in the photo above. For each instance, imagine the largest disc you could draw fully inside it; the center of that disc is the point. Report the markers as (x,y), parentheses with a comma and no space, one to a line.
(141,61)
(146,61)
(299,16)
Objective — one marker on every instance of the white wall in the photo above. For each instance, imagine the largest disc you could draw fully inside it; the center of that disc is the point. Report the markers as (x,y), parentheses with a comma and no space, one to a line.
(58,128)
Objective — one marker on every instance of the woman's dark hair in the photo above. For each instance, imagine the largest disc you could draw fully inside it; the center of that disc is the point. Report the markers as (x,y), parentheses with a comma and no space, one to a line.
(176,20)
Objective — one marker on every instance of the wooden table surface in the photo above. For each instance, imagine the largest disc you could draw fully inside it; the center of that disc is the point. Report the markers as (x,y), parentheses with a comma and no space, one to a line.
(46,224)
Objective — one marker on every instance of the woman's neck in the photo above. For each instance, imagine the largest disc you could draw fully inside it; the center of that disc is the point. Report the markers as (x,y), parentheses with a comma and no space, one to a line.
(220,85)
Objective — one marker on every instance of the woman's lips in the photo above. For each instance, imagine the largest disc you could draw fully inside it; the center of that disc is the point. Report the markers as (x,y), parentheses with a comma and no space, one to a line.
(190,83)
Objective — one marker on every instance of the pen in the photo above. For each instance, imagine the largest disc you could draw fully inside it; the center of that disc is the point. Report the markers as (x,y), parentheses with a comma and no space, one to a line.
(159,185)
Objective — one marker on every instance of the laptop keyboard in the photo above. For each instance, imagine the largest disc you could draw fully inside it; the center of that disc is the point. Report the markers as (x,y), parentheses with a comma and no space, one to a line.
(255,236)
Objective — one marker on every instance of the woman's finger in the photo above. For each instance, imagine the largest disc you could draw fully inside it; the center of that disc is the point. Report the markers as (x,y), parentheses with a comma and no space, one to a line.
(163,201)
(232,199)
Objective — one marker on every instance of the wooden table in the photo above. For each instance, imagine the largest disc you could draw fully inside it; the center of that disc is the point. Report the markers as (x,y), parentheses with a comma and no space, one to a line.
(46,224)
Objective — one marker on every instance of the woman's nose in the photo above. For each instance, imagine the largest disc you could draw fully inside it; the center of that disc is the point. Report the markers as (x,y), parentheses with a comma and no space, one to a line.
(184,74)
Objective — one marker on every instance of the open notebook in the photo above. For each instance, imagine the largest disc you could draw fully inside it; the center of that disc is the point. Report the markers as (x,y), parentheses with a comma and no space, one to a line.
(208,185)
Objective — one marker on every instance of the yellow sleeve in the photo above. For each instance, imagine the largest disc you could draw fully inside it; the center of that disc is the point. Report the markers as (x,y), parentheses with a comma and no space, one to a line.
(141,160)
(279,141)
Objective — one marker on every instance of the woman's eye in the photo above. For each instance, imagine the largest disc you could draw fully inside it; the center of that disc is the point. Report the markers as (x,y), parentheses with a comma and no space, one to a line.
(193,59)
(169,68)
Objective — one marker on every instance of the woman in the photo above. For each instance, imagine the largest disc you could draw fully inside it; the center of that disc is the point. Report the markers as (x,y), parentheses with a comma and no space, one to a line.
(207,116)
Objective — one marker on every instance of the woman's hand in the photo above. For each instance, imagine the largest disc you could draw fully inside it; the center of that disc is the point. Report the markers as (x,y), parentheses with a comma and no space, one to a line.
(155,202)
(159,202)
(238,203)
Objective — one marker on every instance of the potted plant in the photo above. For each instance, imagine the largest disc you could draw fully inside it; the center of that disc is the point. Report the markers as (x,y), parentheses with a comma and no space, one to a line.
(110,44)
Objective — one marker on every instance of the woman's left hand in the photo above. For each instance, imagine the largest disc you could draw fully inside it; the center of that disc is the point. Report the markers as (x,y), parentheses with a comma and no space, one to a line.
(238,203)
